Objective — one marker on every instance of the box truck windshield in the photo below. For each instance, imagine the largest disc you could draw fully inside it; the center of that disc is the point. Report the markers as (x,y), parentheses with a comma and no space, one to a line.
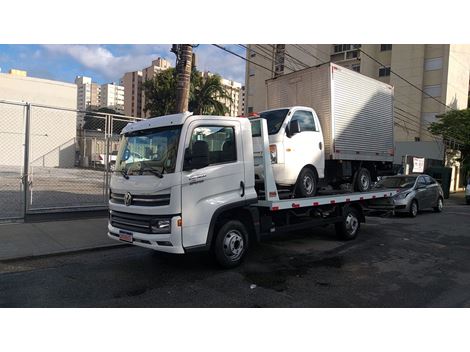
(147,150)
(274,119)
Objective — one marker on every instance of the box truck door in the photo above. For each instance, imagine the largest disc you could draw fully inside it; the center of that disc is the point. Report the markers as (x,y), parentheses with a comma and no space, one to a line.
(305,147)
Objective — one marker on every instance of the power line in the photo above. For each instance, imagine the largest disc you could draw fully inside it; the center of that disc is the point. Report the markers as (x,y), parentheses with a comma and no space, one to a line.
(243,58)
(404,79)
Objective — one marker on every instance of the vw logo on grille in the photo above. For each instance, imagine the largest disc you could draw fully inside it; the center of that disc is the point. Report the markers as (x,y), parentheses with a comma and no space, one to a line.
(128,199)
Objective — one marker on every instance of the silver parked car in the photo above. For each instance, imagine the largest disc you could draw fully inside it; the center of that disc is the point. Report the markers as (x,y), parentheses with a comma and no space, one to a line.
(415,192)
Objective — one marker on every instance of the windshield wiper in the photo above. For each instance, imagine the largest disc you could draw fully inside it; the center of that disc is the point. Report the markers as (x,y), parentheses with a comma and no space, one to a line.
(124,174)
(152,171)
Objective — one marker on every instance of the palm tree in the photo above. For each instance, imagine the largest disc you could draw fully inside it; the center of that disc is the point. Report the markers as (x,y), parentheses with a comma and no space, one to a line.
(208,95)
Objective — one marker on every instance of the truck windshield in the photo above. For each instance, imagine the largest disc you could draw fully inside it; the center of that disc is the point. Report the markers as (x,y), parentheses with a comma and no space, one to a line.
(274,119)
(149,150)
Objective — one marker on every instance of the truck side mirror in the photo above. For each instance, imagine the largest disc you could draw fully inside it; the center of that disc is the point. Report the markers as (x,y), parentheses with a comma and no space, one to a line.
(294,128)
(198,158)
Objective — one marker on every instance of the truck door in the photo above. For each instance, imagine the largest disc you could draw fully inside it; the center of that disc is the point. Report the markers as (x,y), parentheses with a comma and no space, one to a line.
(307,146)
(221,182)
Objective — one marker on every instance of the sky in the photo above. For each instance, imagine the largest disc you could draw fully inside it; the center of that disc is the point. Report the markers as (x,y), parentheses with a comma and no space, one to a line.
(107,63)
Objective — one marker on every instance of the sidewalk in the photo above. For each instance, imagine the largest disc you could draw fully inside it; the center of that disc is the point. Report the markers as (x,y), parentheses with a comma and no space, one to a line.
(20,240)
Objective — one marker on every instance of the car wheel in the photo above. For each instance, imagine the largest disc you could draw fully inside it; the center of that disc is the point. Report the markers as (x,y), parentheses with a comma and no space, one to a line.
(306,185)
(363,180)
(348,228)
(231,244)
(439,206)
(413,208)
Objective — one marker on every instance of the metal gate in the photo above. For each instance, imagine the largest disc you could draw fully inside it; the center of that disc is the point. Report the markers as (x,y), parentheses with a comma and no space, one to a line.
(69,156)
(12,159)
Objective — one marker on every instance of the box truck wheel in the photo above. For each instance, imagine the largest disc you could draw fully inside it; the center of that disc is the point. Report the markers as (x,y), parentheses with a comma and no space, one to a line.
(231,244)
(350,224)
(363,181)
(306,185)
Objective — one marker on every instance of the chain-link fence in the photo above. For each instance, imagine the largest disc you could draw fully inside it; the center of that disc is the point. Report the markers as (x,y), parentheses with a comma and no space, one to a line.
(68,154)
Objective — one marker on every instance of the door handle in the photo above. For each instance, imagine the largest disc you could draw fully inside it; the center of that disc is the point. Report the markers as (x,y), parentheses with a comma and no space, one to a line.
(320,145)
(242,185)
(196,177)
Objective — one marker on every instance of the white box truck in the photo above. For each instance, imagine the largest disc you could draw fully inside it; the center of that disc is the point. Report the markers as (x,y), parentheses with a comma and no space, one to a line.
(328,125)
(186,183)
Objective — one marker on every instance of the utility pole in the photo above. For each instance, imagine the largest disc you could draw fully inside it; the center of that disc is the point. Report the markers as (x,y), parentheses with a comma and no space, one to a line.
(184,53)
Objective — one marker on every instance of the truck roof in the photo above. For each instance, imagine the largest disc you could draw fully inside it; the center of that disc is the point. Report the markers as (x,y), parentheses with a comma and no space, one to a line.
(167,120)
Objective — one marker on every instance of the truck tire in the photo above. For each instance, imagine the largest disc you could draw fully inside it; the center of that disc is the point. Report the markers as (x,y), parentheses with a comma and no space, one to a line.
(349,227)
(231,244)
(306,185)
(363,180)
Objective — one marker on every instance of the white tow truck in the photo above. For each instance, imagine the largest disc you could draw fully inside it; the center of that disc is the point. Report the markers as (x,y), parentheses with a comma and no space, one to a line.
(186,183)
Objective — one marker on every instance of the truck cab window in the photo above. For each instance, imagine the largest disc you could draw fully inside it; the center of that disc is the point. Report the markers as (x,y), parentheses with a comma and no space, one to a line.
(306,121)
(220,140)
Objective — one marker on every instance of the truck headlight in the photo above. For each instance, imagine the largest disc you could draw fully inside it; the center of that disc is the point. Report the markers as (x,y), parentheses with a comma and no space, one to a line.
(273,153)
(160,226)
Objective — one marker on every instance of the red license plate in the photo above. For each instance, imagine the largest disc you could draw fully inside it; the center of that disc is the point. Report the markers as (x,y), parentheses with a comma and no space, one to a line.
(125,236)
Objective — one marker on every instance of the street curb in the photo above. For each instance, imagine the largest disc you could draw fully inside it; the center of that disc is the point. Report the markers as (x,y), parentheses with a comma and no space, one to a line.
(63,252)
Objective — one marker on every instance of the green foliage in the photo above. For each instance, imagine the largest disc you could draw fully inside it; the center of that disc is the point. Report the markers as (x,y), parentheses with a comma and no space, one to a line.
(455,124)
(160,93)
(204,94)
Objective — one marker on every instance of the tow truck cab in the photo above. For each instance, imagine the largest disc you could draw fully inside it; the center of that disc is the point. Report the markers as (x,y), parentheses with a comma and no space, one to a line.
(179,170)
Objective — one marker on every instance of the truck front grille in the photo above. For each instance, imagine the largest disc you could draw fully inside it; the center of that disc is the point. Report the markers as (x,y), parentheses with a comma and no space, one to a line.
(131,222)
(152,200)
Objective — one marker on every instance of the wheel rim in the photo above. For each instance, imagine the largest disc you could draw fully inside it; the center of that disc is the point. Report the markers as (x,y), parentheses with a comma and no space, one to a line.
(352,224)
(414,209)
(364,182)
(233,245)
(308,184)
(439,204)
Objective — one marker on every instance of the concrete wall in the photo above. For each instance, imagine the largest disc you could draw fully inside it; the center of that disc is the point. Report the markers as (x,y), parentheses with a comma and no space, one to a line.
(53,131)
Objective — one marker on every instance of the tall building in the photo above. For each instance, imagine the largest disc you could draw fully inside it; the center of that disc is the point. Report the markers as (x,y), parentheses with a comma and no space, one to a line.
(134,99)
(132,83)
(112,97)
(437,75)
(233,90)
(88,93)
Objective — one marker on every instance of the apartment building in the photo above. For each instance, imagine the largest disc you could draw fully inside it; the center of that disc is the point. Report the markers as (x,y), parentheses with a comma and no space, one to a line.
(234,91)
(88,93)
(132,83)
(437,76)
(112,97)
(428,80)
(134,98)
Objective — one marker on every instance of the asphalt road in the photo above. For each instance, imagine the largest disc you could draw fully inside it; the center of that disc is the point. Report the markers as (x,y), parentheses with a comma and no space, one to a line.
(395,262)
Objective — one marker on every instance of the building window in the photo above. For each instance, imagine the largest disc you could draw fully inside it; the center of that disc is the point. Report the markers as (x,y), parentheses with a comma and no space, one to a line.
(356,67)
(339,48)
(351,54)
(433,91)
(385,47)
(433,64)
(384,71)
(250,109)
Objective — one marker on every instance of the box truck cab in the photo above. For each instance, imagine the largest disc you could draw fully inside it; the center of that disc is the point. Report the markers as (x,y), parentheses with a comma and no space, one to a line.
(296,148)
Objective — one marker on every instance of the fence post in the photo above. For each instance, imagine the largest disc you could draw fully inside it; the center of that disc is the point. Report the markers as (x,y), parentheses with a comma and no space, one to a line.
(108,128)
(26,159)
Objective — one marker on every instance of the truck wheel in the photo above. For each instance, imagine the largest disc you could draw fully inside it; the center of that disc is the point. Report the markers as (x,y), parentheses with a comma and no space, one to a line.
(349,227)
(231,244)
(439,206)
(363,180)
(306,185)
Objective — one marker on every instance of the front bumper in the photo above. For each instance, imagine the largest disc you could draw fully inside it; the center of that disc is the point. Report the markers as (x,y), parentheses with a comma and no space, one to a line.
(402,205)
(170,242)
